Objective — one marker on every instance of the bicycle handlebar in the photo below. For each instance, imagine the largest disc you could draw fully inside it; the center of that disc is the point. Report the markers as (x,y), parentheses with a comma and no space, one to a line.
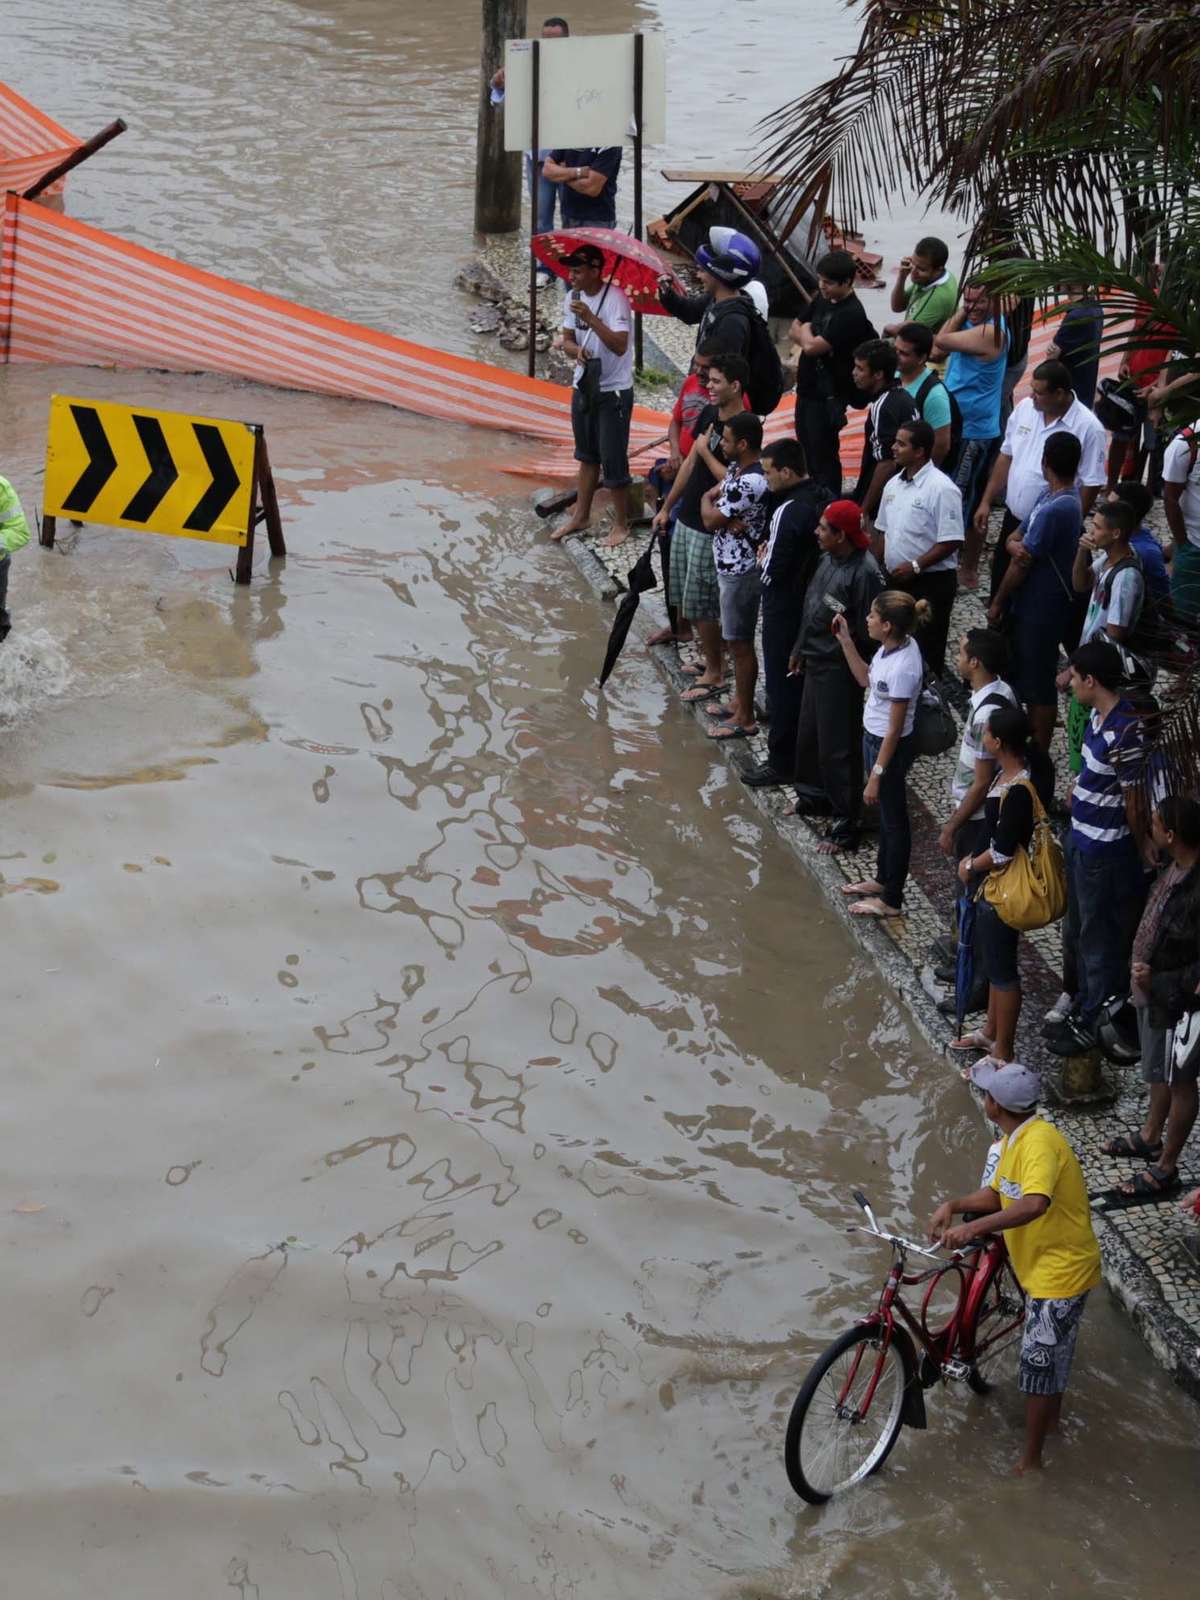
(901,1243)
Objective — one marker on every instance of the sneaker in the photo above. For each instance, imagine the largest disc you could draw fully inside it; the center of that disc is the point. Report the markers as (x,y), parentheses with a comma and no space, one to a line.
(1072,1037)
(943,952)
(1060,1010)
(764,776)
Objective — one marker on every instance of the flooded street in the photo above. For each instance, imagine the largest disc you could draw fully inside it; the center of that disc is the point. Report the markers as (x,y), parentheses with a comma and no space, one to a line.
(432,1095)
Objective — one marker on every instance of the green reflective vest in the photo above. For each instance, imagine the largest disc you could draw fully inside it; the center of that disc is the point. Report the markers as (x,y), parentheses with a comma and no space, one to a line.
(14,530)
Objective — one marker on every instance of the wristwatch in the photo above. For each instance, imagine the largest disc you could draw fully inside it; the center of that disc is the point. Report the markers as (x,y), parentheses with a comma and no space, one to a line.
(877,771)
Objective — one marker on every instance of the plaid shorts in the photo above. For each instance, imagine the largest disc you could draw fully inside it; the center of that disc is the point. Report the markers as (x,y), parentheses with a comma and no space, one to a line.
(1048,1345)
(694,575)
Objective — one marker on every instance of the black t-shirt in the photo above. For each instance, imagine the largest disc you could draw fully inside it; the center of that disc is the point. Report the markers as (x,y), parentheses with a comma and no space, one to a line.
(885,414)
(708,427)
(844,325)
(793,551)
(594,211)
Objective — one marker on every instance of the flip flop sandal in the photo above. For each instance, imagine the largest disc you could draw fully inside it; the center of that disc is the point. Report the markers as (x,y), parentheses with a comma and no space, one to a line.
(859,888)
(1134,1146)
(691,669)
(736,731)
(718,713)
(971,1041)
(693,697)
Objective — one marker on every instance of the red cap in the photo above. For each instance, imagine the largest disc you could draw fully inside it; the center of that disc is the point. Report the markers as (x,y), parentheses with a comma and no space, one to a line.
(846,517)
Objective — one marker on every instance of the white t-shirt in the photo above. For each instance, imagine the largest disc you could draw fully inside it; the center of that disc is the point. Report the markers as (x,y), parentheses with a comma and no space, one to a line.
(1125,595)
(1025,439)
(616,372)
(1178,468)
(893,675)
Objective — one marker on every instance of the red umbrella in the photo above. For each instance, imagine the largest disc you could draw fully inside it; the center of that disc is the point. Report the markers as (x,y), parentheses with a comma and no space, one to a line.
(638,266)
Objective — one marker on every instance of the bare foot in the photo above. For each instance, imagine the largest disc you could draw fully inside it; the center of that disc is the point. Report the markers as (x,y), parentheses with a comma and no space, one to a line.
(616,537)
(873,906)
(867,886)
(968,578)
(565,529)
(1023,1466)
(830,847)
(660,636)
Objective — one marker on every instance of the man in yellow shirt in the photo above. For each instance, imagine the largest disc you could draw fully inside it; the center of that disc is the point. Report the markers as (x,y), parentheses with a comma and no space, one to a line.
(14,536)
(1038,1198)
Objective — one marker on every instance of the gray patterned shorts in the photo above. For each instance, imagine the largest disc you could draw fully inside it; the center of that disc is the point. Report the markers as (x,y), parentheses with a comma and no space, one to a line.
(1048,1346)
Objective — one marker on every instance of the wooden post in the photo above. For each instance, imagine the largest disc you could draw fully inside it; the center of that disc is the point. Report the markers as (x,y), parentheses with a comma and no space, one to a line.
(497,171)
(270,502)
(96,142)
(638,76)
(534,191)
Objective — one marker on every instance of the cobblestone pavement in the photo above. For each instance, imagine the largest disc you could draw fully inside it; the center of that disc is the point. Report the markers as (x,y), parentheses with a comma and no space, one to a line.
(1148,1264)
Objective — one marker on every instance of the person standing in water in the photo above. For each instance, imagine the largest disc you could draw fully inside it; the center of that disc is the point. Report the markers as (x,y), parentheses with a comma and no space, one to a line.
(14,536)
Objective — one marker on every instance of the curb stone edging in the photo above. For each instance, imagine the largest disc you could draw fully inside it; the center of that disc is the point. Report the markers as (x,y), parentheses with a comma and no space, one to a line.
(1170,1339)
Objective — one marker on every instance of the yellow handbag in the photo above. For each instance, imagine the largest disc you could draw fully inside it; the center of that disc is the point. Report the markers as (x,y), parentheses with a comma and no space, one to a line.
(1031,890)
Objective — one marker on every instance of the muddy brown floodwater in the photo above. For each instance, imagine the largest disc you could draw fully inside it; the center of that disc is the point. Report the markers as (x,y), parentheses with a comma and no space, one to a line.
(431,1097)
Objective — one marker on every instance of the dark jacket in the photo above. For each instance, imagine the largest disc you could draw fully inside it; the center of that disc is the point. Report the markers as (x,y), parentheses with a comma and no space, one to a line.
(855,581)
(794,551)
(1174,956)
(724,324)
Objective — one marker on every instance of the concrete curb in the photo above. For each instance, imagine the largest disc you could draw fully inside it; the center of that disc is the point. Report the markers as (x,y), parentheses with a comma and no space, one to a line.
(1172,1341)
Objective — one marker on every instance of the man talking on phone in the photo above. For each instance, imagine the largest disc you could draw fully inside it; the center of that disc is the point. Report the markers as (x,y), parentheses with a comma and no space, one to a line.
(596,333)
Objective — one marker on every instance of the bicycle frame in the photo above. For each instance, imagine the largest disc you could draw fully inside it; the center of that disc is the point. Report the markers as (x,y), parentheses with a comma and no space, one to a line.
(952,1348)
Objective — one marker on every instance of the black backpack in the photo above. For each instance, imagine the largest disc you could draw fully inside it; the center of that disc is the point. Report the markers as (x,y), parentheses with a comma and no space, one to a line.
(956,421)
(1150,641)
(766,369)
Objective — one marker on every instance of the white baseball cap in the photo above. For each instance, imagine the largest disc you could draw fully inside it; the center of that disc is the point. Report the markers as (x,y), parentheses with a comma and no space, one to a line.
(1011,1085)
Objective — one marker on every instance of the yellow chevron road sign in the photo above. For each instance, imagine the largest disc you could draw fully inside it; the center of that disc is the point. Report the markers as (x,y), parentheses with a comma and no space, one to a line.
(154,471)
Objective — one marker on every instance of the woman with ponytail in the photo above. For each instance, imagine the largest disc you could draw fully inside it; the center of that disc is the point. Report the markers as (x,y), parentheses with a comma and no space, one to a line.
(893,680)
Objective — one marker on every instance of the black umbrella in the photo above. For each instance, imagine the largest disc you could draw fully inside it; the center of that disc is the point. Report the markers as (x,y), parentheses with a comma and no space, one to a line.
(964,964)
(641,578)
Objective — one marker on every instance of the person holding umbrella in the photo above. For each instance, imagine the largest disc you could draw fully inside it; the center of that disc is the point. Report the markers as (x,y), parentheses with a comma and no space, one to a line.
(597,326)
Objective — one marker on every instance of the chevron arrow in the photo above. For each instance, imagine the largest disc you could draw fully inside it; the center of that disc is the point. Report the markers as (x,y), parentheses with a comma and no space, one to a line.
(163,471)
(224,475)
(100,468)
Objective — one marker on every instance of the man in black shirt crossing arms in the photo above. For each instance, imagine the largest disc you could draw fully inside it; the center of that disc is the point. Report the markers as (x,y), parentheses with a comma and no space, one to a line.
(589,184)
(827,334)
(789,557)
(889,407)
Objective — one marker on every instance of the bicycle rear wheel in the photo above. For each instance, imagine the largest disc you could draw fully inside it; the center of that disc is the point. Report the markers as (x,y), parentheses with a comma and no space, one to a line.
(998,1329)
(830,1446)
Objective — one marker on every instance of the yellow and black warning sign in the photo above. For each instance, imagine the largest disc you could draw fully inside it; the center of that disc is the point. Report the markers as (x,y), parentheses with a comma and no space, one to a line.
(155,471)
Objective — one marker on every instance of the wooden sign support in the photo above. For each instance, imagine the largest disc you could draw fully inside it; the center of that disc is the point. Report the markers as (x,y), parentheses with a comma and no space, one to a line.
(264,507)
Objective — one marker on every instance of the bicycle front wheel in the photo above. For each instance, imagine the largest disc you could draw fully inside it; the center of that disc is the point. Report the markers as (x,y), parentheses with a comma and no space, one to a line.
(832,1442)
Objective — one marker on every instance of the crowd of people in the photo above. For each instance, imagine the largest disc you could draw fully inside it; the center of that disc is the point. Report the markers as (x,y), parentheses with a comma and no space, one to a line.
(856,589)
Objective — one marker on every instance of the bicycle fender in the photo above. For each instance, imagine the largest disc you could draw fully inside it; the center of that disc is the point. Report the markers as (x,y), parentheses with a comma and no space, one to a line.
(913,1414)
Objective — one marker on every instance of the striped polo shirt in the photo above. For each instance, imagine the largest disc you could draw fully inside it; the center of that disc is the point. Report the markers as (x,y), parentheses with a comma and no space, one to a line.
(1112,763)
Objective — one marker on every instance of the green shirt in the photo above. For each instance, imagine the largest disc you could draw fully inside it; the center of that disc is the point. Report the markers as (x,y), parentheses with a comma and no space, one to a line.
(14,530)
(932,303)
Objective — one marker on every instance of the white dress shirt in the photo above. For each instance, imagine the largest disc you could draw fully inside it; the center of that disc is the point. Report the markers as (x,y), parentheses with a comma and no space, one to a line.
(915,514)
(1024,439)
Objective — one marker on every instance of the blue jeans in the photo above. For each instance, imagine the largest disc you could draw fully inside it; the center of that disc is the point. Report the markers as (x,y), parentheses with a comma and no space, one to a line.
(547,194)
(895,830)
(1106,890)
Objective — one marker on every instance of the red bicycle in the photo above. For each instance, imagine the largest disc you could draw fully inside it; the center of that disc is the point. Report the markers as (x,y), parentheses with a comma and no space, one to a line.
(869,1383)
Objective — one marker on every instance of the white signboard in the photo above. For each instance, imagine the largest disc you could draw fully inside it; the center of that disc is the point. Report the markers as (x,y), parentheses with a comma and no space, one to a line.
(585,91)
